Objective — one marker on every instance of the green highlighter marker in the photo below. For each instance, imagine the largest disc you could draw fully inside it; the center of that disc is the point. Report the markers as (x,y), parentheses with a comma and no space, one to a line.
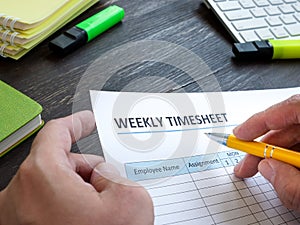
(267,50)
(87,30)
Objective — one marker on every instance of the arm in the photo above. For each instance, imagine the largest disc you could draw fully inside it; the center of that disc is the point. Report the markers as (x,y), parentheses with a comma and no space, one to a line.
(280,125)
(54,186)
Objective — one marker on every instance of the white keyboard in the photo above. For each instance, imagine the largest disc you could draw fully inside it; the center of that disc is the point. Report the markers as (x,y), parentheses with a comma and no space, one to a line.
(252,20)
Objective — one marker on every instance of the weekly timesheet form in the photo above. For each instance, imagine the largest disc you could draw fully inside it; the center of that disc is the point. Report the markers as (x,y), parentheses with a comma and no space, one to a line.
(158,140)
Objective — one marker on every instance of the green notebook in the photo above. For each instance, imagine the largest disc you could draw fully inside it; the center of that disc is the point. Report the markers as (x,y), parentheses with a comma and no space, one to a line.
(20,117)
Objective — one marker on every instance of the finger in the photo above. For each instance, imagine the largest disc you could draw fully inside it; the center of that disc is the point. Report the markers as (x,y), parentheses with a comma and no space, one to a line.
(84,164)
(287,137)
(247,167)
(285,180)
(105,175)
(277,117)
(59,134)
(126,199)
(296,147)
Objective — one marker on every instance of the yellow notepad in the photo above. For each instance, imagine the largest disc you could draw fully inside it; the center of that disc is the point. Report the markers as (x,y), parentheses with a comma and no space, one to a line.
(62,16)
(22,38)
(26,14)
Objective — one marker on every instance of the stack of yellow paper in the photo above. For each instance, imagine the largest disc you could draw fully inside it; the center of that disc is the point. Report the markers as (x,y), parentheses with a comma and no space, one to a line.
(24,24)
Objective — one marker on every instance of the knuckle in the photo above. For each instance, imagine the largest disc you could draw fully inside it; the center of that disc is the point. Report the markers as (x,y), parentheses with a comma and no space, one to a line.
(294,102)
(25,173)
(56,123)
(53,122)
(26,168)
(59,126)
(295,99)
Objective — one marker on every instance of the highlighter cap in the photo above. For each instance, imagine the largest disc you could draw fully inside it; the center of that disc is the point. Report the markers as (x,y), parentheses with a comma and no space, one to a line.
(87,30)
(256,50)
(68,41)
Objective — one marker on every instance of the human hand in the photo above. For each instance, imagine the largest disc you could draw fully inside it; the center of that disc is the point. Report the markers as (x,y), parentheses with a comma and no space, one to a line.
(281,126)
(54,186)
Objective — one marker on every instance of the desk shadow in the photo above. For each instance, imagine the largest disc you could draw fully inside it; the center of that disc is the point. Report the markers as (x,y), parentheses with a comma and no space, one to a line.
(208,17)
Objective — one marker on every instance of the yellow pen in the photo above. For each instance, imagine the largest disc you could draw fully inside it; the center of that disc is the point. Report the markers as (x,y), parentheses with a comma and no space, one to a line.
(259,149)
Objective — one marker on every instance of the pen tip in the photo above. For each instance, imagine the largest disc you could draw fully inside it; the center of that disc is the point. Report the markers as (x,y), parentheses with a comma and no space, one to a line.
(208,135)
(218,137)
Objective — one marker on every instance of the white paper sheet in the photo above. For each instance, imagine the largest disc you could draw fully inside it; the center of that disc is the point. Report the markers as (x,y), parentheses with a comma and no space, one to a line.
(159,141)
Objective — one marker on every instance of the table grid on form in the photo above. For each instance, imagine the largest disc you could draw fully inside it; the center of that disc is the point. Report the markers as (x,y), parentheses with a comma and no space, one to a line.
(207,192)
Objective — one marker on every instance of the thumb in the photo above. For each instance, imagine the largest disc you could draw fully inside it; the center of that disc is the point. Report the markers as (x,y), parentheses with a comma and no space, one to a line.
(105,175)
(285,180)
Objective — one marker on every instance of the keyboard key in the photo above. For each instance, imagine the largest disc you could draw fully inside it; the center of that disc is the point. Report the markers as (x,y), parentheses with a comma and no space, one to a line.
(261,2)
(290,1)
(247,4)
(276,2)
(286,9)
(297,7)
(238,15)
(261,19)
(297,16)
(226,6)
(273,10)
(249,35)
(257,12)
(264,34)
(274,21)
(279,32)
(247,25)
(288,19)
(294,29)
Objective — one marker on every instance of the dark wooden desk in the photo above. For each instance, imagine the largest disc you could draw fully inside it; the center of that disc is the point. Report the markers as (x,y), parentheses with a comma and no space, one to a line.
(52,80)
